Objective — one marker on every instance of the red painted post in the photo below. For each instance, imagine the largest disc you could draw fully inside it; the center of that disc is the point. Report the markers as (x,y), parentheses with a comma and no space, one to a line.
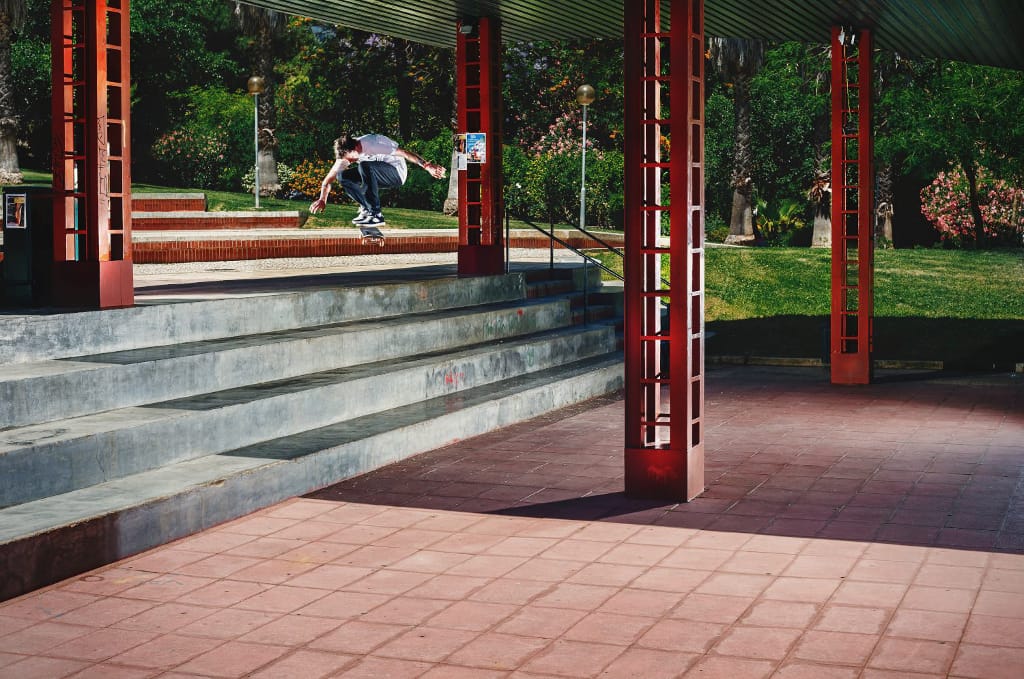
(481,204)
(664,446)
(91,158)
(852,208)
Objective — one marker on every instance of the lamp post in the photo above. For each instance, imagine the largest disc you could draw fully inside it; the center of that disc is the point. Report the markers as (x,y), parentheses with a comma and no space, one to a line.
(584,97)
(255,85)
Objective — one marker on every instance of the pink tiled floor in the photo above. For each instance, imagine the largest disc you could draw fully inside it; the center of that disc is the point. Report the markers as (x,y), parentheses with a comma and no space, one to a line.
(873,533)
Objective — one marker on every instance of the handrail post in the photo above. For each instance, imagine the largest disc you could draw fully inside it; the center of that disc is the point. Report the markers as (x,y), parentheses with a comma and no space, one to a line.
(551,240)
(586,288)
(508,237)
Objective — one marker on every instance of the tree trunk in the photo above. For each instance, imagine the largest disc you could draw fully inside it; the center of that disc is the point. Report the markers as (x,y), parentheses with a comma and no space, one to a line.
(403,89)
(267,156)
(741,222)
(451,202)
(971,170)
(883,199)
(10,172)
(821,199)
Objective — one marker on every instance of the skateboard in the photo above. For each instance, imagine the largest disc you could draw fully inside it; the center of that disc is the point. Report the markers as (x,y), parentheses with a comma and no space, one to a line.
(372,235)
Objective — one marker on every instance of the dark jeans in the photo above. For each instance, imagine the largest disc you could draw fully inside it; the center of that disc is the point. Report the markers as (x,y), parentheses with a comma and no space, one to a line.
(363,183)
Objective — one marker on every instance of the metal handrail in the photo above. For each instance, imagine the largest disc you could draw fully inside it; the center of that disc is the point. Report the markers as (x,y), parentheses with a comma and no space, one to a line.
(568,246)
(551,234)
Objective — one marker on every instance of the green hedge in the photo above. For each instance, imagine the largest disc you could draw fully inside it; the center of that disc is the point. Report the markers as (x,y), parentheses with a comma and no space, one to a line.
(546,187)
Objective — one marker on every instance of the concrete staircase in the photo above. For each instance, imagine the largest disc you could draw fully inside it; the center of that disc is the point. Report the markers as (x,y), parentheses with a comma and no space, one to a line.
(189,414)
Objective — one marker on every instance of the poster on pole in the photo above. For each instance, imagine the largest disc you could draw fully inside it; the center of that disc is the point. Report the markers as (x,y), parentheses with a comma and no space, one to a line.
(14,211)
(471,148)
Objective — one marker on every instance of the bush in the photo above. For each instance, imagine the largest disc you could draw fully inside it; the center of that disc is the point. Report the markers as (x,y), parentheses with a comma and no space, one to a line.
(516,163)
(946,204)
(191,158)
(307,176)
(284,178)
(782,224)
(214,145)
(715,229)
(547,186)
(422,191)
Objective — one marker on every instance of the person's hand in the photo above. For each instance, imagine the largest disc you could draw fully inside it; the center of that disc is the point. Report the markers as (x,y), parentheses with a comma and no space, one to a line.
(436,171)
(317,206)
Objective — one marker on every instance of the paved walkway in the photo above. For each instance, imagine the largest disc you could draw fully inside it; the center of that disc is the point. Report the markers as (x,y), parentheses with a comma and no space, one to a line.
(872,532)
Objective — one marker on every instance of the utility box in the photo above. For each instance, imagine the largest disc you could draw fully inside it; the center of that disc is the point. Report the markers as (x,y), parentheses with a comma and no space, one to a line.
(28,245)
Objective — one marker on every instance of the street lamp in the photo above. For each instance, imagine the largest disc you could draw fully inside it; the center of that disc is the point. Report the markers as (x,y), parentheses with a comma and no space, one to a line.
(584,97)
(255,85)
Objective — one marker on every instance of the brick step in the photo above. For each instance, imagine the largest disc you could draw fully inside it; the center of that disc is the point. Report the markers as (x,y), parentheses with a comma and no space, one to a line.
(198,221)
(168,202)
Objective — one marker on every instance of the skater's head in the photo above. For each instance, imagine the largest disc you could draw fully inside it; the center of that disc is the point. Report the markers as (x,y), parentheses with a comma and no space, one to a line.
(345,145)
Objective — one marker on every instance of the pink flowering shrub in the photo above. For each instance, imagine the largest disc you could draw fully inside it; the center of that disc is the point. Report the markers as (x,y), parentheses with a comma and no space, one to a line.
(946,204)
(192,159)
(563,136)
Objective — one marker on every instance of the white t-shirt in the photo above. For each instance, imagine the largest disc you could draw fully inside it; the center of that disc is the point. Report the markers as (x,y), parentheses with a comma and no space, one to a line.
(377,147)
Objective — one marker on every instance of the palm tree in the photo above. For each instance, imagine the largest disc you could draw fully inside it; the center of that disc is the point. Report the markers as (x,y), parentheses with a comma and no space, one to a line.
(12,17)
(263,25)
(738,60)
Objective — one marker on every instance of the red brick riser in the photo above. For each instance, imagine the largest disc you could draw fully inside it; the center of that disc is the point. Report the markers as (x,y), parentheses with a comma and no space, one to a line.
(213,220)
(168,204)
(175,252)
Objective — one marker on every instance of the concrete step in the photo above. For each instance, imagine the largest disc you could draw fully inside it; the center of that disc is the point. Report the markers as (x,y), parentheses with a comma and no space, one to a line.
(39,335)
(45,391)
(194,412)
(73,453)
(56,537)
(168,202)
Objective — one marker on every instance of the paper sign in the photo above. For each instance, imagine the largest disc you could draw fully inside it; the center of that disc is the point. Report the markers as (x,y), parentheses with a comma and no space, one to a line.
(14,211)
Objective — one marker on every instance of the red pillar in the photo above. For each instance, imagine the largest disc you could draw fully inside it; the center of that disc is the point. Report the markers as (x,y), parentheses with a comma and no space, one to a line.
(91,160)
(664,447)
(481,206)
(852,208)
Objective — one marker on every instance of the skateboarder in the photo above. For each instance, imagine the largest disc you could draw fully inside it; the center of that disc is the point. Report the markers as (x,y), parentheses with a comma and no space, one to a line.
(381,165)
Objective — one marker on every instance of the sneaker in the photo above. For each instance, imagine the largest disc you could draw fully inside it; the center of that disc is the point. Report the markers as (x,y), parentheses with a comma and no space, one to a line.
(360,216)
(374,220)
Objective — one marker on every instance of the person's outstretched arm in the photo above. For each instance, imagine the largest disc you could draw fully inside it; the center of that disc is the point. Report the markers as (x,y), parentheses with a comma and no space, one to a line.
(320,203)
(436,171)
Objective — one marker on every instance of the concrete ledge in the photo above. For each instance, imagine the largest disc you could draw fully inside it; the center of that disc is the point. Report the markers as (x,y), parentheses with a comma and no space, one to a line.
(796,362)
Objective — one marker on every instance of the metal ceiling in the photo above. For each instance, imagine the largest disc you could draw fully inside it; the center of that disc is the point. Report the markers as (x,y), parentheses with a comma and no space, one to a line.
(977,31)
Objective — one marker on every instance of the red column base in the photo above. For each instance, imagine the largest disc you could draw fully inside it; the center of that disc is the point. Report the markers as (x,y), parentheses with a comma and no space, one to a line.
(851,369)
(657,474)
(481,260)
(93,285)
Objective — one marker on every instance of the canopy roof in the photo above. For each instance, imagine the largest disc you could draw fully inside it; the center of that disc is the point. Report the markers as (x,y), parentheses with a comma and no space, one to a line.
(976,31)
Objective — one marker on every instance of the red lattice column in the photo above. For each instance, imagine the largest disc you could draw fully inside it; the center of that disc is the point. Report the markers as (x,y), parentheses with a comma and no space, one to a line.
(852,208)
(478,79)
(664,452)
(91,160)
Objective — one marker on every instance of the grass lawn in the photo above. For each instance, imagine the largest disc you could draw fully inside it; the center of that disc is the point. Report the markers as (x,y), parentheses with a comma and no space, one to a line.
(965,308)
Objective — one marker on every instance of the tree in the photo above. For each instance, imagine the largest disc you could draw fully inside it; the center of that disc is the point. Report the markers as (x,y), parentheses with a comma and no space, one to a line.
(262,26)
(12,17)
(737,61)
(540,81)
(176,46)
(956,113)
